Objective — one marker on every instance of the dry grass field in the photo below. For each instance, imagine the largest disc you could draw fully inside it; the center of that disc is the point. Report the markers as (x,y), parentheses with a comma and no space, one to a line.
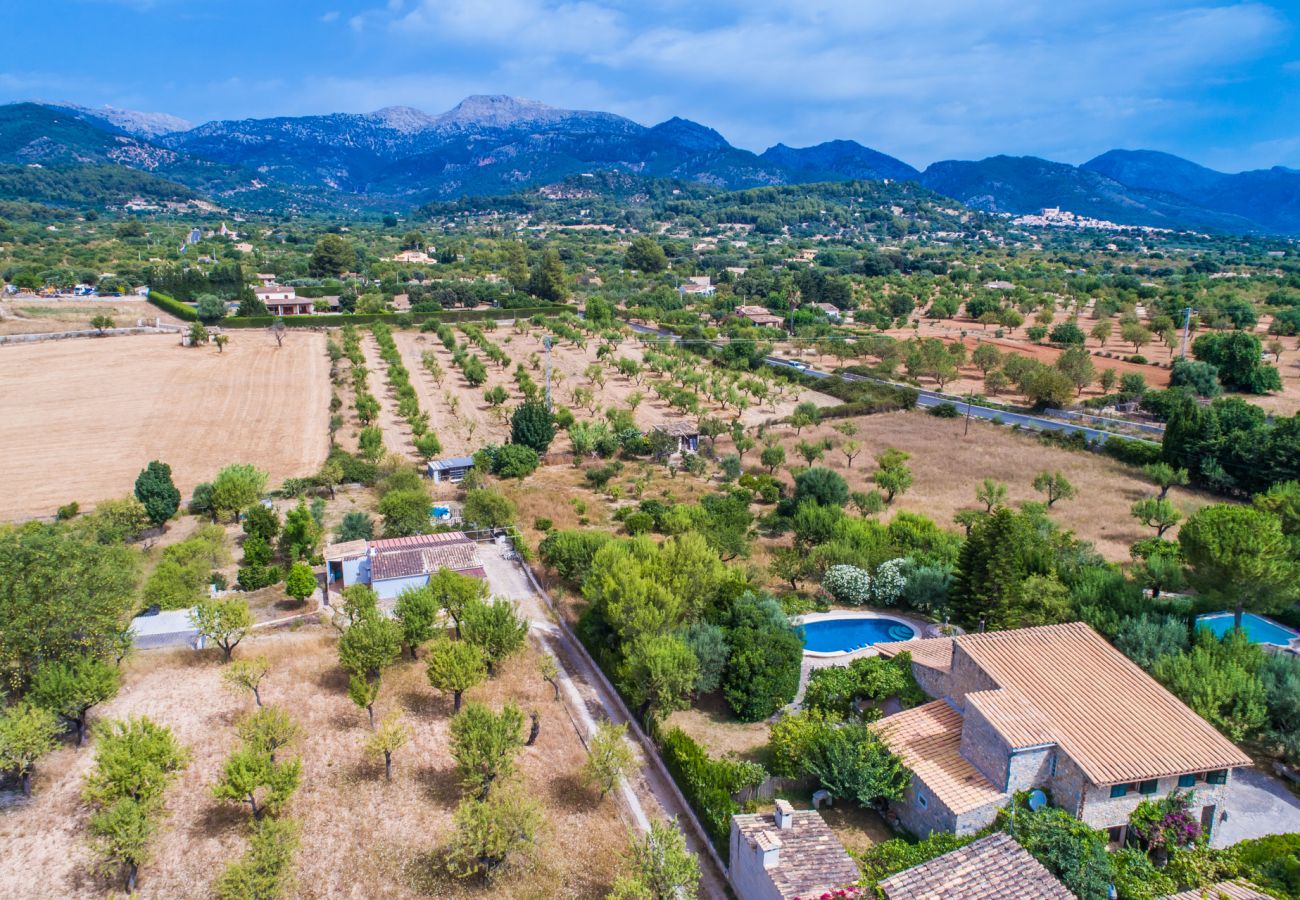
(464,421)
(34,315)
(362,837)
(80,418)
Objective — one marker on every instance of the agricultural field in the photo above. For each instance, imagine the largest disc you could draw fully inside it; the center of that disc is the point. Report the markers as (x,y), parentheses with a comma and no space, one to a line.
(80,418)
(33,315)
(361,837)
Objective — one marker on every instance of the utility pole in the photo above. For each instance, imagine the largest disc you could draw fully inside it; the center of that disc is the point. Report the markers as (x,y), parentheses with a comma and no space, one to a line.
(1187,327)
(969,396)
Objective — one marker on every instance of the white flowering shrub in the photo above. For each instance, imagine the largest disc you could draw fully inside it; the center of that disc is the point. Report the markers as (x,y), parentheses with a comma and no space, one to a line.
(889,582)
(848,584)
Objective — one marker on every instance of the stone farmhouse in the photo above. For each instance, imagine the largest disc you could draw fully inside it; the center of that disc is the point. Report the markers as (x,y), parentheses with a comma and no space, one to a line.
(995,866)
(283,301)
(1055,708)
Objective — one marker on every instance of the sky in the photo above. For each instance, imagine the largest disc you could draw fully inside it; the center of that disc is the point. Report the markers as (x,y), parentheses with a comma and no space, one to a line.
(922,80)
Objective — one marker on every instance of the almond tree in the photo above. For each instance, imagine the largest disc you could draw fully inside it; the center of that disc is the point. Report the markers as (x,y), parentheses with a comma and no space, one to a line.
(390,737)
(454,667)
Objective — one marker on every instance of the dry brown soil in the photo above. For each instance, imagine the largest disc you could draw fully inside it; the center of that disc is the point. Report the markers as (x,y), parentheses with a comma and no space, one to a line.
(362,837)
(80,418)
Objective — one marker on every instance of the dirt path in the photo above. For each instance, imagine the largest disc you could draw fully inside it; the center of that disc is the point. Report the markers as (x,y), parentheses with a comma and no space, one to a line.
(653,784)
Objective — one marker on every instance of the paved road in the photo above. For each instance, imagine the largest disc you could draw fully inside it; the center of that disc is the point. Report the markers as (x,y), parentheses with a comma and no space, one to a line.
(509,579)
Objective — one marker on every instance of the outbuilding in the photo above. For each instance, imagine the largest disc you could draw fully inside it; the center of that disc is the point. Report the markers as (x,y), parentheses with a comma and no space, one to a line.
(452,469)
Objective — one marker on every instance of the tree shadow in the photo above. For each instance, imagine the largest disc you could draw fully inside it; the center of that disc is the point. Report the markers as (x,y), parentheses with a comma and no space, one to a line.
(441,785)
(333,679)
(218,818)
(424,704)
(569,792)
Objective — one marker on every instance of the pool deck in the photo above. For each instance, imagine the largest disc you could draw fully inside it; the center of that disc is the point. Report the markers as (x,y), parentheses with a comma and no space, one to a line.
(813,660)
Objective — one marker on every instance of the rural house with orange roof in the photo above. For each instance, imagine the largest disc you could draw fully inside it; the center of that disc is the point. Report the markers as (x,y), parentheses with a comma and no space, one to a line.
(1055,708)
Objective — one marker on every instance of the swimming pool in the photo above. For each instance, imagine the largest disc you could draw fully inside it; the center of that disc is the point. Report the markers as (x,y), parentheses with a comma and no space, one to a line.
(1259,629)
(844,635)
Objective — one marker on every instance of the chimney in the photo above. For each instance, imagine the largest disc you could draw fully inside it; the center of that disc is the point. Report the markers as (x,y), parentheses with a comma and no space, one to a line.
(784,815)
(769,849)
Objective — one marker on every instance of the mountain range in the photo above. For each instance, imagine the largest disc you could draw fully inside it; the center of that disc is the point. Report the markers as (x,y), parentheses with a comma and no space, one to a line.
(399,157)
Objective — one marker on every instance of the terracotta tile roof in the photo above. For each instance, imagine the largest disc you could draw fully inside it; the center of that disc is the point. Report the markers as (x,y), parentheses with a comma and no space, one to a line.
(992,868)
(404,563)
(345,550)
(418,540)
(811,858)
(1114,720)
(928,738)
(933,653)
(1224,890)
(1014,717)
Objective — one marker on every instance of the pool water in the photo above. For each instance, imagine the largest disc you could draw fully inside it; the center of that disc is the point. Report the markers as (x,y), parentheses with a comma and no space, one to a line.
(845,635)
(1257,628)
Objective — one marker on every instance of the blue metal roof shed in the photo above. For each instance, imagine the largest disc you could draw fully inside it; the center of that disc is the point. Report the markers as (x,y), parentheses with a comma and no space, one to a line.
(451,469)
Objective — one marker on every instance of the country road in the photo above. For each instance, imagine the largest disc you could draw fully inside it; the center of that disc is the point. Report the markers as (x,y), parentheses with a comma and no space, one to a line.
(509,578)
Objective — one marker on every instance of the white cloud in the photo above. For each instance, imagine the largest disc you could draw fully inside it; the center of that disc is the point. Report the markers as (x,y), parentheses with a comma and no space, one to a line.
(331,16)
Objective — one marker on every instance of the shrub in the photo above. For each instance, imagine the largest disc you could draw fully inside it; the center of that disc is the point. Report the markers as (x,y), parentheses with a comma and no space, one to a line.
(945,410)
(848,584)
(709,783)
(174,307)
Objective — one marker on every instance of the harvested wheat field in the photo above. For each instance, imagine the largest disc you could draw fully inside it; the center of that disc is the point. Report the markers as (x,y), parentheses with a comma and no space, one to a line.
(361,836)
(80,418)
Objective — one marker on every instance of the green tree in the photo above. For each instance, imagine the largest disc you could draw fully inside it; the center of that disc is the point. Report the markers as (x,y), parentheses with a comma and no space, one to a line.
(1002,550)
(120,837)
(301,536)
(1076,364)
(300,583)
(27,732)
(1165,476)
(609,757)
(210,309)
(484,745)
(246,675)
(266,868)
(1155,513)
(391,736)
(416,611)
(155,489)
(1068,848)
(237,487)
(405,512)
(645,254)
(822,486)
(495,835)
(533,426)
(249,776)
(62,595)
(762,673)
(485,508)
(494,628)
(660,867)
(986,357)
(658,674)
(548,280)
(805,415)
(356,526)
(136,759)
(454,592)
(773,456)
(991,493)
(1136,334)
(268,730)
(224,622)
(1216,678)
(70,688)
(1055,486)
(332,256)
(366,648)
(1239,555)
(853,763)
(454,667)
(893,476)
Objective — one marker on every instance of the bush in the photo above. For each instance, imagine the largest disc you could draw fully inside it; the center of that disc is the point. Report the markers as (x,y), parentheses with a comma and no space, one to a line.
(1137,453)
(893,856)
(515,461)
(945,410)
(708,783)
(1201,377)
(848,584)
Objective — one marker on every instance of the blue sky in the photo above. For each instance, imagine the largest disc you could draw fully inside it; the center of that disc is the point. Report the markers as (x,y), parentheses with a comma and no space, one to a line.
(1218,82)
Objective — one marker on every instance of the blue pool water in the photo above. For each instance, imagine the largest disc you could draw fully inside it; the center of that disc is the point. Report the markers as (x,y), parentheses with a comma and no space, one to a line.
(1257,628)
(830,635)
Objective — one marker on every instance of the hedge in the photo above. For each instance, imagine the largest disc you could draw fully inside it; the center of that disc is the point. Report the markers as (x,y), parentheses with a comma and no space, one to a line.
(708,783)
(172,306)
(327,320)
(1138,453)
